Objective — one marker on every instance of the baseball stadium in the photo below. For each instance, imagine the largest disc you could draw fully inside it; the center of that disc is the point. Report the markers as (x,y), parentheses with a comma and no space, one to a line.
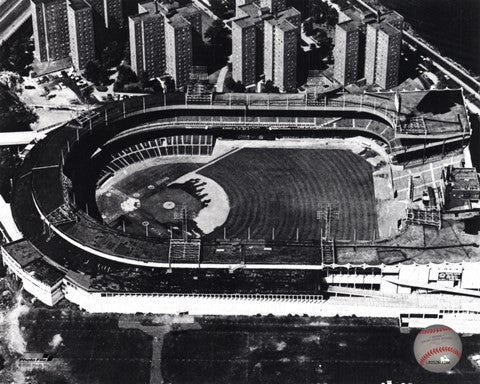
(197,203)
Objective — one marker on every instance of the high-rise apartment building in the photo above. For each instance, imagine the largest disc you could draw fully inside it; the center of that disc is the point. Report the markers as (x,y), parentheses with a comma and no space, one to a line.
(178,44)
(257,35)
(161,39)
(244,57)
(80,27)
(368,45)
(382,57)
(280,63)
(110,12)
(147,44)
(50,29)
(346,52)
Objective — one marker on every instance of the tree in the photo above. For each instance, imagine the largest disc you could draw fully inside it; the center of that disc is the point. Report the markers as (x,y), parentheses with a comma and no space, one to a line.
(16,54)
(87,92)
(308,27)
(217,35)
(218,39)
(234,86)
(111,55)
(169,84)
(332,17)
(125,76)
(220,8)
(322,12)
(270,87)
(15,116)
(95,73)
(145,79)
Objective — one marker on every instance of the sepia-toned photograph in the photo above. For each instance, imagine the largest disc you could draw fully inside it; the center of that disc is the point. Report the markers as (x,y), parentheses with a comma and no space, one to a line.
(240,191)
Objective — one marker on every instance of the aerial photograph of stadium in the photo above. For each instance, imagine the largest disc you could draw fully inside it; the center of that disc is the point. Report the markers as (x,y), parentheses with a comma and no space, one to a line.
(239,191)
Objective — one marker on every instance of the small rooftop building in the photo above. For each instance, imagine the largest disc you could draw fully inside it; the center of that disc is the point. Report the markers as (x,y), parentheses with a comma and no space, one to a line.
(461,189)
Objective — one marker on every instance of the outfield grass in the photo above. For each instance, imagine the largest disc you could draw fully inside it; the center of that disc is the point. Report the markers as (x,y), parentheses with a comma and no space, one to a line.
(284,189)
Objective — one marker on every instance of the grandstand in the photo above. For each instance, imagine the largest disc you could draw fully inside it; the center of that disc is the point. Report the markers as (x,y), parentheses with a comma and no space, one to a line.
(297,220)
(137,130)
(181,145)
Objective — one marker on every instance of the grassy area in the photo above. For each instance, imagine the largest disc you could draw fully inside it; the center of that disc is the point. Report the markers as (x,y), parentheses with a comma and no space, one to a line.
(286,189)
(93,346)
(295,350)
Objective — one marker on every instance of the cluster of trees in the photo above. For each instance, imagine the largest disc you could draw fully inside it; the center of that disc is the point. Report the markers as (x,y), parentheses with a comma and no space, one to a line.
(95,73)
(234,86)
(270,88)
(125,77)
(15,116)
(111,48)
(224,9)
(322,13)
(219,44)
(16,54)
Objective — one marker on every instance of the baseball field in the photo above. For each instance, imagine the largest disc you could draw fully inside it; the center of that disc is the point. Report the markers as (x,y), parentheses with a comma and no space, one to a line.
(279,193)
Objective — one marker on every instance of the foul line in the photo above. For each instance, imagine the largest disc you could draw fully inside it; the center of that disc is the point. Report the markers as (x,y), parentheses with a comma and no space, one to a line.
(218,159)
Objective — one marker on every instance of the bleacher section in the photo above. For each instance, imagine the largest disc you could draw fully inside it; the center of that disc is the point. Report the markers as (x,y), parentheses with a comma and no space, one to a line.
(181,145)
(184,251)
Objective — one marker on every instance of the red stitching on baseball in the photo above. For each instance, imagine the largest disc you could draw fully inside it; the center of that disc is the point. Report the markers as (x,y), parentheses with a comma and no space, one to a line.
(434,330)
(436,351)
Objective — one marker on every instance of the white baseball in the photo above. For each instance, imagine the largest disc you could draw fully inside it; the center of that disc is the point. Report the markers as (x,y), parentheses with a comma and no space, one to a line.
(437,348)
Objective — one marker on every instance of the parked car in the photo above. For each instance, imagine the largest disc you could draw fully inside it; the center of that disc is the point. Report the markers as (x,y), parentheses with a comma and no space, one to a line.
(29,87)
(51,96)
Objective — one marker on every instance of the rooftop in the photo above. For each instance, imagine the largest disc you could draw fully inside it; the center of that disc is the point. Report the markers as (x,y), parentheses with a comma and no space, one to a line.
(463,178)
(244,22)
(78,4)
(178,20)
(42,1)
(349,25)
(386,28)
(365,16)
(282,24)
(23,252)
(257,14)
(188,10)
(356,14)
(43,271)
(144,16)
